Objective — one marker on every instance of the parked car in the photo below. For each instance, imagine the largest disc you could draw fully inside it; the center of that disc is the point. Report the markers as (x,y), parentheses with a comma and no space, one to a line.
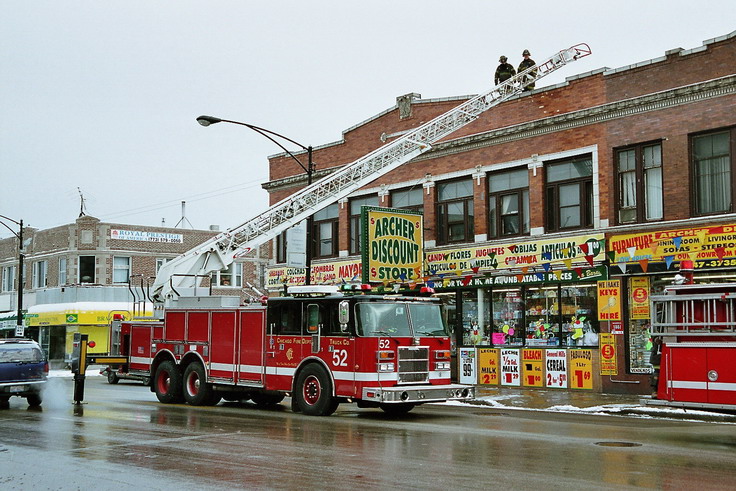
(23,371)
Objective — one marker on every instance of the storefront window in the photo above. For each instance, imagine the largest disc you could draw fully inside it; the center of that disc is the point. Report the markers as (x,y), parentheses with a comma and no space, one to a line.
(542,316)
(579,316)
(508,317)
(477,326)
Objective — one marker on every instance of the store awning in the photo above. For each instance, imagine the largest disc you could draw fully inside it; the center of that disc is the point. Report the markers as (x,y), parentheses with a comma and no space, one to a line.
(78,313)
(8,321)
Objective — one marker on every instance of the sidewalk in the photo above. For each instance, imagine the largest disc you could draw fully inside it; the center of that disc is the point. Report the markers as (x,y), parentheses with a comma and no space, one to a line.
(588,402)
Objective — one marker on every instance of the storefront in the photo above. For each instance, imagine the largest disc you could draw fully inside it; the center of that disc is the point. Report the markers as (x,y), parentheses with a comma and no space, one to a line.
(648,262)
(57,323)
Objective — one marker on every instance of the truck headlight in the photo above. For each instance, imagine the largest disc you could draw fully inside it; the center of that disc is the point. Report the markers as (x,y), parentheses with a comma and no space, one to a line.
(386,367)
(442,365)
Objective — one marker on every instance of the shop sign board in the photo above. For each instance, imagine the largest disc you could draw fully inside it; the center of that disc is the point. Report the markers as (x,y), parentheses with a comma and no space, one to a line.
(468,374)
(331,273)
(488,369)
(510,367)
(640,297)
(617,327)
(707,247)
(145,236)
(609,300)
(558,276)
(556,364)
(581,369)
(581,249)
(392,245)
(533,367)
(609,365)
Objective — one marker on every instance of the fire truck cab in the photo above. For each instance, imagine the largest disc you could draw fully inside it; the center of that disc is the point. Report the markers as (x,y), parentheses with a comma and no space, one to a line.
(319,345)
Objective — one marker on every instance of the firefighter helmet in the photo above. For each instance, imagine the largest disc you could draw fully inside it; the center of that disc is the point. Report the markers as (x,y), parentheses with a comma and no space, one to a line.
(526,53)
(502,59)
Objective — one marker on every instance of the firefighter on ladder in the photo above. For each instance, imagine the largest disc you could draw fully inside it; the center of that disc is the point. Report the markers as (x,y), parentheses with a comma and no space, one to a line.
(525,64)
(504,71)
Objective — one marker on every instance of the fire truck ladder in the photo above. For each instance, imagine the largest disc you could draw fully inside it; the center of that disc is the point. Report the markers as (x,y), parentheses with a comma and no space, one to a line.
(219,252)
(701,314)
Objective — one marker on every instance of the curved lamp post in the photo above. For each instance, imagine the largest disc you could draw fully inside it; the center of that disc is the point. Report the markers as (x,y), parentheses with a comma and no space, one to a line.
(19,235)
(309,169)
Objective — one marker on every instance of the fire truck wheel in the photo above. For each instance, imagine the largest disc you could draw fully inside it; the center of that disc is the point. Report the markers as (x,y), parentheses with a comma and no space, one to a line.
(397,409)
(167,383)
(263,399)
(197,391)
(314,392)
(112,377)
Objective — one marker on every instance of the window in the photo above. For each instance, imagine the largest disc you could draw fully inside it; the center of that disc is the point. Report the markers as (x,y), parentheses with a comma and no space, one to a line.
(569,195)
(408,199)
(640,183)
(508,203)
(455,211)
(355,228)
(713,178)
(232,276)
(324,232)
(62,271)
(281,247)
(87,269)
(284,317)
(120,269)
(161,261)
(8,279)
(40,270)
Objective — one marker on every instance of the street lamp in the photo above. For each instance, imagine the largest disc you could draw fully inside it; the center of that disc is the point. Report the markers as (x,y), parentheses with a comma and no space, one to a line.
(309,169)
(19,316)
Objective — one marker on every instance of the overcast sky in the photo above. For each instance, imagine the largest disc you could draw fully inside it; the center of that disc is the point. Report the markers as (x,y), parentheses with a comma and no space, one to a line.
(102,96)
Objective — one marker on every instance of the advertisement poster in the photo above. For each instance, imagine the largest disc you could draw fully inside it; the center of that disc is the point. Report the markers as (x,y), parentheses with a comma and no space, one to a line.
(581,369)
(393,245)
(510,367)
(331,273)
(556,363)
(609,365)
(609,300)
(468,375)
(488,372)
(533,367)
(708,247)
(640,297)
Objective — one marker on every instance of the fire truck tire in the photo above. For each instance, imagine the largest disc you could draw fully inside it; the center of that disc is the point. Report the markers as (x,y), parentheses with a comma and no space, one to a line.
(314,392)
(397,409)
(112,377)
(263,399)
(167,383)
(197,391)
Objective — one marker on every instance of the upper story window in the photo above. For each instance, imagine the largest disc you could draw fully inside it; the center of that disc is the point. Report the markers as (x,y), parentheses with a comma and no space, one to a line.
(713,176)
(8,279)
(355,228)
(62,271)
(160,262)
(281,247)
(455,211)
(87,269)
(508,203)
(640,183)
(408,199)
(232,276)
(120,269)
(325,232)
(40,274)
(569,194)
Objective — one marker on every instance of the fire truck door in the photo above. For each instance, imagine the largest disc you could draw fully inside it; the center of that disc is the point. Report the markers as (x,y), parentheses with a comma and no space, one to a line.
(251,346)
(721,376)
(140,347)
(222,352)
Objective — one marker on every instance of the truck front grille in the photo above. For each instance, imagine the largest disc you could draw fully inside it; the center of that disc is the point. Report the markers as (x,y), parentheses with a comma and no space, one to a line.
(413,364)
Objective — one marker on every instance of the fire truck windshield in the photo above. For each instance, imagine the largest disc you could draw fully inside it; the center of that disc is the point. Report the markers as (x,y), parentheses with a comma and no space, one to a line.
(399,319)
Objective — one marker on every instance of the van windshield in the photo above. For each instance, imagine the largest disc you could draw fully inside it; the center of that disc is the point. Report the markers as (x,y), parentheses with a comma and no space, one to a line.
(399,319)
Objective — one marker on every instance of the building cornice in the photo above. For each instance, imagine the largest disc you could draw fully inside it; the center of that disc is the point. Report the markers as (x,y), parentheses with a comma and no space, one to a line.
(594,115)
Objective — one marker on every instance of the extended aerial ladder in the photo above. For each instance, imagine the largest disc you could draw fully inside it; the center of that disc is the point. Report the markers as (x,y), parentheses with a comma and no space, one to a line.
(220,251)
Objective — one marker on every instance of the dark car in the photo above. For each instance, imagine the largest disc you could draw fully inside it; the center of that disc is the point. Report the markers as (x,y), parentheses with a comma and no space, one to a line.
(23,371)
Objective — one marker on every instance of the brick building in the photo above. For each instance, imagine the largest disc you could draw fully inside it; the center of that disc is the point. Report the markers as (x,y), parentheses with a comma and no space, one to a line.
(620,175)
(76,275)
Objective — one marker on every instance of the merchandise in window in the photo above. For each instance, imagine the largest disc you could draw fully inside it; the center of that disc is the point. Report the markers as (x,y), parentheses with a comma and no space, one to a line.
(640,183)
(455,212)
(508,203)
(542,309)
(569,194)
(713,177)
(508,318)
(579,316)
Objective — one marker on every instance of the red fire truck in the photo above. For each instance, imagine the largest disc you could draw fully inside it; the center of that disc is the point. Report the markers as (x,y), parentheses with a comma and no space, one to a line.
(697,324)
(320,346)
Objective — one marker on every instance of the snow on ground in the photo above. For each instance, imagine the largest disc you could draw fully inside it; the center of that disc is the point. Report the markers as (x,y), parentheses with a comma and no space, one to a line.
(91,372)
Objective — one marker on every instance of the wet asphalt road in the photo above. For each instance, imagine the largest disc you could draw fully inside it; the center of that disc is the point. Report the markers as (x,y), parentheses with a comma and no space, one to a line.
(122,438)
